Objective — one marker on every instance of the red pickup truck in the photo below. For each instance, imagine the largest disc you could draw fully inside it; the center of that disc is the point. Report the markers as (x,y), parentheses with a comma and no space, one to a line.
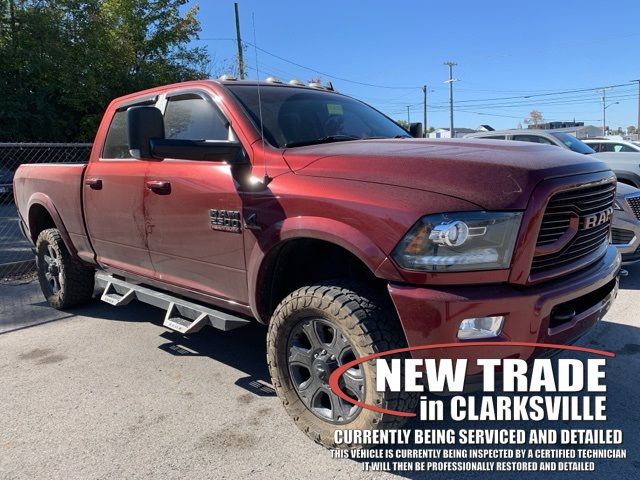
(231,201)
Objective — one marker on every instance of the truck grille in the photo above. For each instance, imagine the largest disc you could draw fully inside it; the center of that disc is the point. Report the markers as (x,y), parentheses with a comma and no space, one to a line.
(562,206)
(634,202)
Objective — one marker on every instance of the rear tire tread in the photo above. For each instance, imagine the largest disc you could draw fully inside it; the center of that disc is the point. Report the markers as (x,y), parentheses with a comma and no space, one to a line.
(78,278)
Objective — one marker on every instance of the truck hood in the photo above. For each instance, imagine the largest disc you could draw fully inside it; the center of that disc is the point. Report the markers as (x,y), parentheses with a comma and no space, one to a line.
(492,174)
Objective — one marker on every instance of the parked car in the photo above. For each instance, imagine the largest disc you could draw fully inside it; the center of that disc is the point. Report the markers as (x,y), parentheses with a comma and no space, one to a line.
(625,165)
(228,201)
(625,223)
(625,232)
(6,185)
(614,146)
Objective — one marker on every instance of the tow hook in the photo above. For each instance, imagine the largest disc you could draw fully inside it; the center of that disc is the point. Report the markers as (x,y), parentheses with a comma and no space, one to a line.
(623,273)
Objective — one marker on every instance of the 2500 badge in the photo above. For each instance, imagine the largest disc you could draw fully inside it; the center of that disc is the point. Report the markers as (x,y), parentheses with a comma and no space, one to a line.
(225,220)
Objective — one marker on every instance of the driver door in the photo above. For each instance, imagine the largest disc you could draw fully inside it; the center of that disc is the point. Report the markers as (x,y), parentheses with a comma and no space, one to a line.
(193,207)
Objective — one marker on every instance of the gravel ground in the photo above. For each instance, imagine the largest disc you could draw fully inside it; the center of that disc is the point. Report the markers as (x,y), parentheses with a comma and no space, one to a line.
(108,393)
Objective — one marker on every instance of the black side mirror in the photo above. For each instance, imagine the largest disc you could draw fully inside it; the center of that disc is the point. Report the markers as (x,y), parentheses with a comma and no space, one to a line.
(147,140)
(143,124)
(415,130)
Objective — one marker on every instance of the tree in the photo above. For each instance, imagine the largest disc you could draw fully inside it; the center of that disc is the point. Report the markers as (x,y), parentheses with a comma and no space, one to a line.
(631,130)
(62,61)
(535,118)
(403,123)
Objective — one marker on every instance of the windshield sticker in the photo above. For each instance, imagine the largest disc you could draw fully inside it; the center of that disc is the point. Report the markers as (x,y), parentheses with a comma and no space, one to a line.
(334,109)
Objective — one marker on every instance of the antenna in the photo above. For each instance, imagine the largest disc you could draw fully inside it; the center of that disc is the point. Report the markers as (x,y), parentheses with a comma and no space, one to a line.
(265,179)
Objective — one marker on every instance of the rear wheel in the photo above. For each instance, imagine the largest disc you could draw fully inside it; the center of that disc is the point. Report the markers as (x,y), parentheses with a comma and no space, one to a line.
(64,280)
(315,330)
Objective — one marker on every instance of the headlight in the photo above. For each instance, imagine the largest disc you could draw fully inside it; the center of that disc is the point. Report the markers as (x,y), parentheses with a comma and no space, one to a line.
(461,241)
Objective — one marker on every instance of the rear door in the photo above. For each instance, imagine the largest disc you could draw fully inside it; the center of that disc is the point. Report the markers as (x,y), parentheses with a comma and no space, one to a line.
(193,207)
(114,188)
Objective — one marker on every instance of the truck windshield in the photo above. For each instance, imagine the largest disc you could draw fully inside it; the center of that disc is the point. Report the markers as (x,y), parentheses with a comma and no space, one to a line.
(573,143)
(294,117)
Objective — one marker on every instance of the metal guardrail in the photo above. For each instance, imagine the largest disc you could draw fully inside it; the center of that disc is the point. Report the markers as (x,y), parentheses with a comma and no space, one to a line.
(16,257)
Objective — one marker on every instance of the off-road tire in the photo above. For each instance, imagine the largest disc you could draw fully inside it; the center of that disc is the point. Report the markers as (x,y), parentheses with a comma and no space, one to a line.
(369,324)
(75,280)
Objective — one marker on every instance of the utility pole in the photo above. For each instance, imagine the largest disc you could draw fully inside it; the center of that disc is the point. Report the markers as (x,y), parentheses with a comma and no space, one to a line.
(450,82)
(239,41)
(638,126)
(424,110)
(408,117)
(604,112)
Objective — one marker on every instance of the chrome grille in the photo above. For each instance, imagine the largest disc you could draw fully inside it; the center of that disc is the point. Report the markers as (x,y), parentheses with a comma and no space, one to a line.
(634,202)
(562,206)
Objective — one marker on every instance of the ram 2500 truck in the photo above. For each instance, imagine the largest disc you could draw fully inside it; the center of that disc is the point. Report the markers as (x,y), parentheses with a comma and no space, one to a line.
(232,201)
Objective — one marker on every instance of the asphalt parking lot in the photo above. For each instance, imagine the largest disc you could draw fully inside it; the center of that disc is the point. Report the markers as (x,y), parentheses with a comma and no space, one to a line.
(108,393)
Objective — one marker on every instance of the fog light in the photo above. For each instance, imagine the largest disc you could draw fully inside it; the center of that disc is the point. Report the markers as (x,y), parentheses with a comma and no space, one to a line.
(481,327)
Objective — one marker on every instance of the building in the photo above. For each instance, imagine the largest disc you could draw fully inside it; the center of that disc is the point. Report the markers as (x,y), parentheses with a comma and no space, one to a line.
(445,133)
(556,125)
(577,129)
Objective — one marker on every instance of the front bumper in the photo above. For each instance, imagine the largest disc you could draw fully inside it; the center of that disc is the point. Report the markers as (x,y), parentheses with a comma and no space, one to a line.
(432,315)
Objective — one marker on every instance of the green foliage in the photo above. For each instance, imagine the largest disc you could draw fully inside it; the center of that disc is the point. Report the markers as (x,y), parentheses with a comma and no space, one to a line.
(62,61)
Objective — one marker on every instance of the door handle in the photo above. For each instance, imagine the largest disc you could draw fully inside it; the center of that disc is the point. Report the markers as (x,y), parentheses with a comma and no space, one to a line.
(161,187)
(94,183)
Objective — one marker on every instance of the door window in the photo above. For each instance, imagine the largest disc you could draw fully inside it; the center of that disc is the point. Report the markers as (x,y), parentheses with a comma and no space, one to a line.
(596,146)
(532,139)
(115,145)
(619,147)
(191,117)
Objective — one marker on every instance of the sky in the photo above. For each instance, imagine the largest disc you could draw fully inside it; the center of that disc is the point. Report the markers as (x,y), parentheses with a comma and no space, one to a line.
(512,57)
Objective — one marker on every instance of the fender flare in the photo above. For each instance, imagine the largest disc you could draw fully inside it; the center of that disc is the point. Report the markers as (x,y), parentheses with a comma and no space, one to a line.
(629,176)
(317,228)
(45,201)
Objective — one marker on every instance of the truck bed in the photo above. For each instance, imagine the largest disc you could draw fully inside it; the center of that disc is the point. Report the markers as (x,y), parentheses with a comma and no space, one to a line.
(63,199)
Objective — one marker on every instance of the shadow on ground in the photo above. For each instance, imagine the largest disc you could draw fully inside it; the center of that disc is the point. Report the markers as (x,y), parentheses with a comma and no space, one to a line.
(631,281)
(244,350)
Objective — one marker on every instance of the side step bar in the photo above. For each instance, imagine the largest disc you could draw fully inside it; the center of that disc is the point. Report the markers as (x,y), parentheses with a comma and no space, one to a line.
(182,315)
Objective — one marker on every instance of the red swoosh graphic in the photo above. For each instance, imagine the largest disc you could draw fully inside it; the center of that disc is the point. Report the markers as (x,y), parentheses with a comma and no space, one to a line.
(337,373)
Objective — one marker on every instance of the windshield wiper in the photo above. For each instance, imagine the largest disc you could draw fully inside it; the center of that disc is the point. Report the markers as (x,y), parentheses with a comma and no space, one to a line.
(382,138)
(327,139)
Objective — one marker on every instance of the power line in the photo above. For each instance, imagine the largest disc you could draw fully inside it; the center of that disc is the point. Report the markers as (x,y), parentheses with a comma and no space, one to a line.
(319,72)
(546,94)
(533,99)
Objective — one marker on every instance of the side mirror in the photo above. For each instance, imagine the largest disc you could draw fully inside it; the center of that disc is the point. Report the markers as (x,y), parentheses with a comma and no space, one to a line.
(147,140)
(211,150)
(415,130)
(143,124)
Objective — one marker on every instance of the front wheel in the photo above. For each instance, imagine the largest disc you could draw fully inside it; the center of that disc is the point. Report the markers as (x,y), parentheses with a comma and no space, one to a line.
(315,330)
(64,280)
